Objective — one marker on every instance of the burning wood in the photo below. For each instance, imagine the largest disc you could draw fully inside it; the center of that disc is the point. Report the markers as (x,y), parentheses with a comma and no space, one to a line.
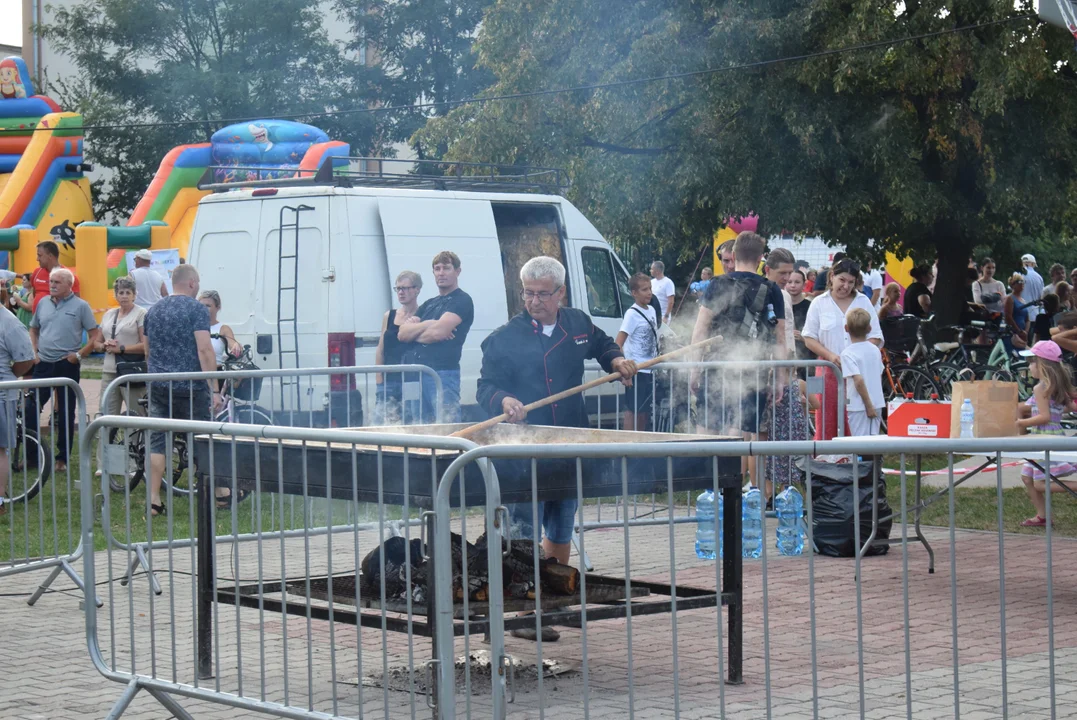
(517,570)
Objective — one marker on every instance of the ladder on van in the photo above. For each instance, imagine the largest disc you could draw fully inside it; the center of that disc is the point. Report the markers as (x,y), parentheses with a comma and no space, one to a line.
(288,302)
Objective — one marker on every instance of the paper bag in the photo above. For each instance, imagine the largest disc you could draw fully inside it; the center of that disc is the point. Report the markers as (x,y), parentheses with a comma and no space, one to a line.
(995,404)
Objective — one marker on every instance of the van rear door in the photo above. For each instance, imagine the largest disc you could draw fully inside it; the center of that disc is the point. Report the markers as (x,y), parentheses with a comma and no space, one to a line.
(294,282)
(418,228)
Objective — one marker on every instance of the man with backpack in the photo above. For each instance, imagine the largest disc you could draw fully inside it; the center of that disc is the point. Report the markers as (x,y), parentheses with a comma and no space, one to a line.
(748,312)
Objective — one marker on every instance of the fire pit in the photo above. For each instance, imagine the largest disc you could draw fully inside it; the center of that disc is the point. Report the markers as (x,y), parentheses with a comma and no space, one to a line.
(403,473)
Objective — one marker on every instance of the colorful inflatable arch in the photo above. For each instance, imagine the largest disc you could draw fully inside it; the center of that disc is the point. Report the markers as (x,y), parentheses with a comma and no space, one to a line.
(733,226)
(259,150)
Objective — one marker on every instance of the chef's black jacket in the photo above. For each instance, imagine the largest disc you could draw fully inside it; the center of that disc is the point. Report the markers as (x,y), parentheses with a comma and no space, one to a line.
(519,361)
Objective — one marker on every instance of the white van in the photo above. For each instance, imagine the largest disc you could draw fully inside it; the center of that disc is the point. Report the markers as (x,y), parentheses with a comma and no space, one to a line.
(353,241)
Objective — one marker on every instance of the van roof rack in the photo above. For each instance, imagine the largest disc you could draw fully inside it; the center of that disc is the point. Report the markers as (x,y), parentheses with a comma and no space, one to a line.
(372,172)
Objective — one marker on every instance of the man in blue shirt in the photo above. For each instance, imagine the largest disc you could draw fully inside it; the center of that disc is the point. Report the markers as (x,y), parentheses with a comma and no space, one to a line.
(177,341)
(56,334)
(16,359)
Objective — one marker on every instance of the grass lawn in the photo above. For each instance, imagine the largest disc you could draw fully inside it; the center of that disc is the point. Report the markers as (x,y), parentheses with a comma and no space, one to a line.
(43,527)
(977,508)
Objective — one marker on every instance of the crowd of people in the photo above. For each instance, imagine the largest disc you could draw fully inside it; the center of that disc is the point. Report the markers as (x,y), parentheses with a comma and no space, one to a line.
(50,330)
(762,306)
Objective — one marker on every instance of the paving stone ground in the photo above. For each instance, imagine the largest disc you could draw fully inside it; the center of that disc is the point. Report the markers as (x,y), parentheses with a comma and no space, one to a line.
(47,671)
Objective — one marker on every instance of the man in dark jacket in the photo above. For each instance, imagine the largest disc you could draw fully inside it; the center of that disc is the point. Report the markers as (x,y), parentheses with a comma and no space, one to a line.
(536,354)
(539,353)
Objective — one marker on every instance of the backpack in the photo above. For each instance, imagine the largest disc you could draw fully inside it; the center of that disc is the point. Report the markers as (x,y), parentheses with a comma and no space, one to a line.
(740,308)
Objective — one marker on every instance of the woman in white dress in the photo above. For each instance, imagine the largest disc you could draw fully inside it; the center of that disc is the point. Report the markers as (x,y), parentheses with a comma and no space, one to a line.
(824,334)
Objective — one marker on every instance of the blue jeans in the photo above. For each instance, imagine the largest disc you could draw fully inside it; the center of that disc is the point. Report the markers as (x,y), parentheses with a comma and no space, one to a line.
(450,395)
(557,517)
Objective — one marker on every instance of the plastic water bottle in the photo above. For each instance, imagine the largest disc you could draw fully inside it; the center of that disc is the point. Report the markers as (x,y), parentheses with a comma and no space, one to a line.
(751,526)
(968,418)
(790,508)
(708,526)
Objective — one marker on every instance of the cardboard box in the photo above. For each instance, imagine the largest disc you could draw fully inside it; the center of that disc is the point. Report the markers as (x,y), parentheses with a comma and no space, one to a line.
(995,406)
(913,418)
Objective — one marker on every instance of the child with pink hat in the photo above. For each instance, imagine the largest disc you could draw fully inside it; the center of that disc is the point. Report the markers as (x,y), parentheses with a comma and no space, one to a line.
(1042,415)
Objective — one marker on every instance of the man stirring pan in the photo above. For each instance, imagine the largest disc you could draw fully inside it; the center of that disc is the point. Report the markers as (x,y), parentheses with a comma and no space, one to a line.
(539,353)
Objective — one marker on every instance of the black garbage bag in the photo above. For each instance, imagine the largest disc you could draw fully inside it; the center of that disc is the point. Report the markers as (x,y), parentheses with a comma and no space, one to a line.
(832,507)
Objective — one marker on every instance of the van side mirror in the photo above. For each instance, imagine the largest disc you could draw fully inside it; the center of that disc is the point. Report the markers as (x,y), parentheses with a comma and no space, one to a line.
(265,345)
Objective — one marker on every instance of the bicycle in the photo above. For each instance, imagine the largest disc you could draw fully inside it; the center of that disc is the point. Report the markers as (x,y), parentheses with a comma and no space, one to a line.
(135,470)
(29,454)
(901,377)
(239,394)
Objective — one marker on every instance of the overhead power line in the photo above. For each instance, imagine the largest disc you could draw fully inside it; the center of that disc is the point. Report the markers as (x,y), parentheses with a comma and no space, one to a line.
(449,104)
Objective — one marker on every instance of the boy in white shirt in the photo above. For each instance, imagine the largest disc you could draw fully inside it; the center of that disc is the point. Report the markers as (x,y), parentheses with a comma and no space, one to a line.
(638,340)
(862,366)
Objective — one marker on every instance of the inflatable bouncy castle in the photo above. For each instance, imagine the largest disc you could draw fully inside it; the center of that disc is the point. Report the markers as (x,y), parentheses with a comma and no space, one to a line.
(43,190)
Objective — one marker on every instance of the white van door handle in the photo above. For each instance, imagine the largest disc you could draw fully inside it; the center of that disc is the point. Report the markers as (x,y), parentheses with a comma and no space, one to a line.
(329,274)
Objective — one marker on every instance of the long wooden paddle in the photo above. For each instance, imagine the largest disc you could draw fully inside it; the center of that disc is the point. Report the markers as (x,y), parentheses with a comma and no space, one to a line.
(582,388)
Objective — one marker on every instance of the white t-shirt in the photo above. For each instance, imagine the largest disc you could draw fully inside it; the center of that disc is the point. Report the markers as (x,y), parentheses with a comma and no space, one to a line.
(547,330)
(663,289)
(147,286)
(642,341)
(866,360)
(826,322)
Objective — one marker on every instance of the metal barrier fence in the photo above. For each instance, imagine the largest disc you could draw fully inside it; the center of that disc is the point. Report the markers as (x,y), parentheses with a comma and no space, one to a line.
(263,625)
(180,643)
(126,455)
(797,666)
(35,505)
(675,407)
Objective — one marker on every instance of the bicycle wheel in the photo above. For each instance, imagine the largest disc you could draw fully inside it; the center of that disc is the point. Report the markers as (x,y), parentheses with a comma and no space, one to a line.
(246,415)
(30,466)
(905,380)
(135,444)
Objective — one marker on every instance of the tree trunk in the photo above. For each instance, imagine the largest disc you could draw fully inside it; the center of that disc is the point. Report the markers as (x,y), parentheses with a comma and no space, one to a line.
(948,301)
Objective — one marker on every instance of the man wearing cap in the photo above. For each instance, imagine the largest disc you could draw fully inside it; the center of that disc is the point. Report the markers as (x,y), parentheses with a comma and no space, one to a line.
(149,285)
(1033,284)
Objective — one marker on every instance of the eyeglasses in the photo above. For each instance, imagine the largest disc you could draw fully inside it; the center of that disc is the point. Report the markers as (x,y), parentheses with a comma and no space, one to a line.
(401,288)
(543,296)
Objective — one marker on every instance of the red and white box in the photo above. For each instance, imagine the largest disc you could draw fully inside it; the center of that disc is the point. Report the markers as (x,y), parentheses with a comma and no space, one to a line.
(919,419)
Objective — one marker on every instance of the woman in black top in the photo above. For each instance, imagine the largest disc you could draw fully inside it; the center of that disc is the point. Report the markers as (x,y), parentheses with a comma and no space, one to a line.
(391,351)
(795,287)
(917,296)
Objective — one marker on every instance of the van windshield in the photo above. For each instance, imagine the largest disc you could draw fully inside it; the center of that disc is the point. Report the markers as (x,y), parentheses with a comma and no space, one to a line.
(525,231)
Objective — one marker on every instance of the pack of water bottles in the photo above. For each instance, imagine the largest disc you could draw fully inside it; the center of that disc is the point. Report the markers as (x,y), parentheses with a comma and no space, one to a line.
(789,533)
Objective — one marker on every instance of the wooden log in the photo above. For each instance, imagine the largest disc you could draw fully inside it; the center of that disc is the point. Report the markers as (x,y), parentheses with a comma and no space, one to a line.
(560,579)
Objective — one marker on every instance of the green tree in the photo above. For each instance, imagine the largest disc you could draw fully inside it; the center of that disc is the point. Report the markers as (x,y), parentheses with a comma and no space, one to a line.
(423,53)
(930,148)
(168,61)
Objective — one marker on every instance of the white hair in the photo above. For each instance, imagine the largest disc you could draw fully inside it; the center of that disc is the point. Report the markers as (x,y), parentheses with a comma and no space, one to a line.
(60,272)
(541,267)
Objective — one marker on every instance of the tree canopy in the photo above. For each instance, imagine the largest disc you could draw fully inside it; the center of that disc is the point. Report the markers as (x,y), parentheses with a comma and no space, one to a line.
(928,147)
(147,68)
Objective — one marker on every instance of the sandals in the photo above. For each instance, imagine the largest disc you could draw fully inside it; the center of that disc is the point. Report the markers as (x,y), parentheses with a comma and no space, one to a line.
(548,634)
(157,510)
(1036,521)
(225,502)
